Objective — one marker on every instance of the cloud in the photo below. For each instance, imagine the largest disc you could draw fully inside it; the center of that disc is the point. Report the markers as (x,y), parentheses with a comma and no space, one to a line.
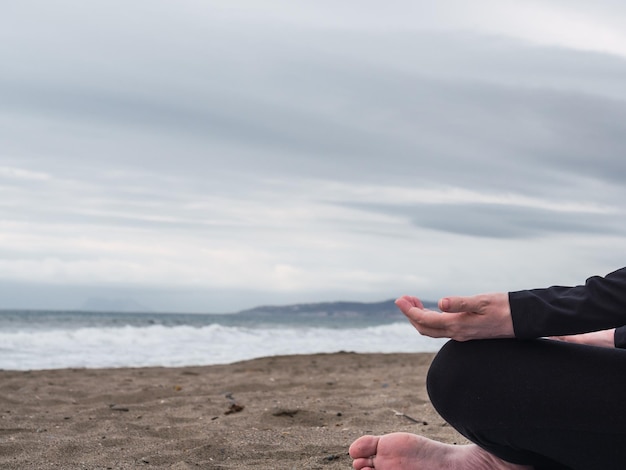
(309,149)
(500,221)
(12,173)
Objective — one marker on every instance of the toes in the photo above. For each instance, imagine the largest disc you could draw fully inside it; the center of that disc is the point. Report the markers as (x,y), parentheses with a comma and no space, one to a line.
(364,447)
(363,464)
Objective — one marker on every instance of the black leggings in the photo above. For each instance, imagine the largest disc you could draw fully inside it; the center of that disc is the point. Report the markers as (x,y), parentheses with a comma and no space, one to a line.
(544,403)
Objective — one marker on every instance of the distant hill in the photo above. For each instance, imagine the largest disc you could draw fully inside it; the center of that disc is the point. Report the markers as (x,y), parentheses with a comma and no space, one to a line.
(384,309)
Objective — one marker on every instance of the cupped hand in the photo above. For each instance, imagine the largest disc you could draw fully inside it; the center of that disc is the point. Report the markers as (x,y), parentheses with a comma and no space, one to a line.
(603,338)
(461,318)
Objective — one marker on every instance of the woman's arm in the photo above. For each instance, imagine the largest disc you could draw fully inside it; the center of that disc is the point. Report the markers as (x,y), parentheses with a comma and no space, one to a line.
(612,338)
(603,338)
(599,304)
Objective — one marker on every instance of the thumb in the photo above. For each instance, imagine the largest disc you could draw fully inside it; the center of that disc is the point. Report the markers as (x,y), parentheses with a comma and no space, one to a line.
(460,304)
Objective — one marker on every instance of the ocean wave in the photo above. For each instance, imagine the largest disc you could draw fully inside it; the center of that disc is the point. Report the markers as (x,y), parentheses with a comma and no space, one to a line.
(184,345)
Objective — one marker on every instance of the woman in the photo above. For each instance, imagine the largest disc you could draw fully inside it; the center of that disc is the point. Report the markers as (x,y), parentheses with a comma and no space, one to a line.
(525,403)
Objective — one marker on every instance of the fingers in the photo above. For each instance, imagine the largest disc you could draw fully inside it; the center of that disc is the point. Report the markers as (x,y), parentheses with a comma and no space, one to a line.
(429,319)
(417,314)
(462,318)
(427,322)
(407,302)
(558,338)
(460,326)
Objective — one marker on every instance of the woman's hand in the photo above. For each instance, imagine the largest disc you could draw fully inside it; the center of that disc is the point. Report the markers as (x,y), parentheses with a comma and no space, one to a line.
(462,318)
(603,338)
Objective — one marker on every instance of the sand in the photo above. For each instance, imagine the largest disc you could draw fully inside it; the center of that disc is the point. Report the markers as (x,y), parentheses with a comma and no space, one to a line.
(287,412)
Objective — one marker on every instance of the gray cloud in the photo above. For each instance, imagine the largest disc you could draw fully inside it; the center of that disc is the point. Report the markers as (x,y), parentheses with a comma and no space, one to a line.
(325,115)
(500,220)
(223,127)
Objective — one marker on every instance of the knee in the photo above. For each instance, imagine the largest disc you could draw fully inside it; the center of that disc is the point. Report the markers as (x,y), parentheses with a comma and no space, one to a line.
(461,379)
(447,376)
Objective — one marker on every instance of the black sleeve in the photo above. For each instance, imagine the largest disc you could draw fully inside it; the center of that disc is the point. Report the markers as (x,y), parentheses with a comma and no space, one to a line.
(620,337)
(599,304)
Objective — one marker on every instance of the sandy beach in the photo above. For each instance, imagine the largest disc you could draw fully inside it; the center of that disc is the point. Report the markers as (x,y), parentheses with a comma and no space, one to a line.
(287,412)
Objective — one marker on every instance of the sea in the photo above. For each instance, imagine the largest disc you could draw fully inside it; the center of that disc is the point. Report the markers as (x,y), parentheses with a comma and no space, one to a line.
(34,340)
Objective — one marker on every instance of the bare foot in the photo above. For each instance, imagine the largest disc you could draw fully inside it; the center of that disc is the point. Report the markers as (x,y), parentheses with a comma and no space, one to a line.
(404,451)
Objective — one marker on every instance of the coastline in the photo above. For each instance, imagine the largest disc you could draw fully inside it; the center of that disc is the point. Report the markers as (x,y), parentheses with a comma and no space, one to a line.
(282,412)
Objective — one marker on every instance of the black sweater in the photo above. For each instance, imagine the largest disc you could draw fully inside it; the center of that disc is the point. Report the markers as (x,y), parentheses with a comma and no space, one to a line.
(599,304)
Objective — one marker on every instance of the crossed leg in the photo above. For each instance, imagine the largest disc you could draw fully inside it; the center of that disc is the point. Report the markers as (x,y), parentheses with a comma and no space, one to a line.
(525,404)
(412,452)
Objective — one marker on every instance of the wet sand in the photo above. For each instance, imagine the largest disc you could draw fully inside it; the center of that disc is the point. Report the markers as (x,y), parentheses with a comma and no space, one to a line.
(287,412)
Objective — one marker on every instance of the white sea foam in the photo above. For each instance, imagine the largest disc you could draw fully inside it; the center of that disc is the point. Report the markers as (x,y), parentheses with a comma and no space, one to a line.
(183,345)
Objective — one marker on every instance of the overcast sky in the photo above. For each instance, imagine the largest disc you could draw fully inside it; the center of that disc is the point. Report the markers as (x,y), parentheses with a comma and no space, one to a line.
(210,156)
